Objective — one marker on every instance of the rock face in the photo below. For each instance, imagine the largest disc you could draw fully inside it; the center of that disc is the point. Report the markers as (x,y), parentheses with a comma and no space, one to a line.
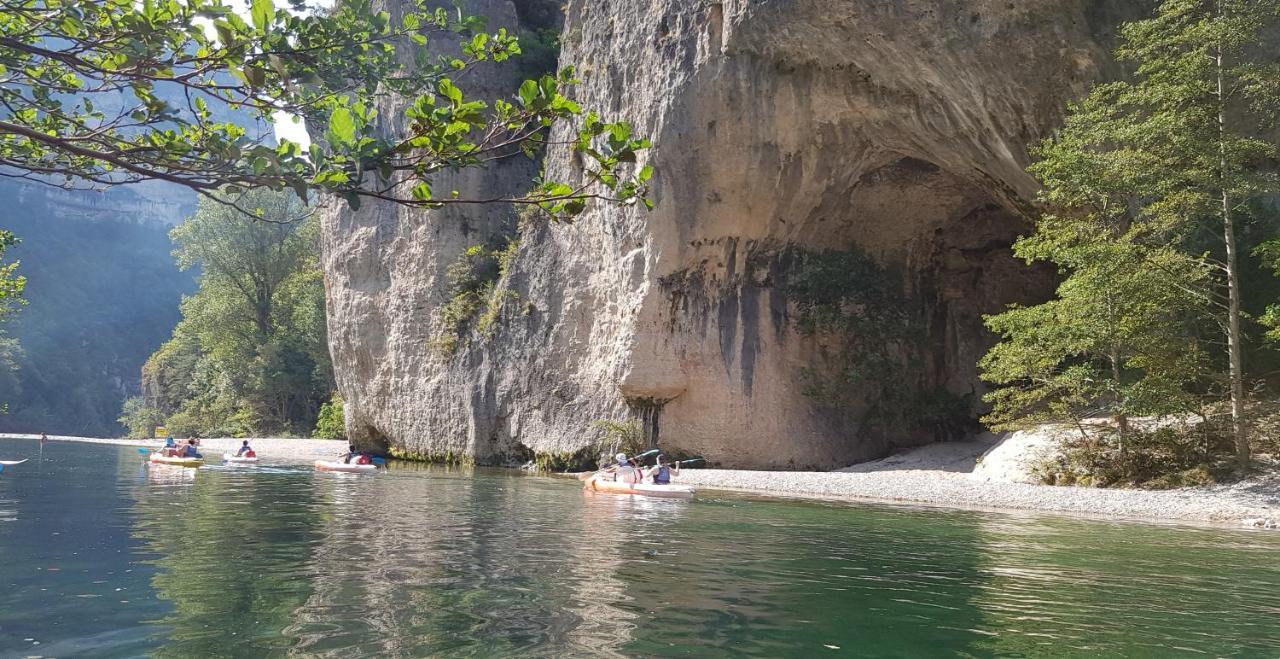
(838,186)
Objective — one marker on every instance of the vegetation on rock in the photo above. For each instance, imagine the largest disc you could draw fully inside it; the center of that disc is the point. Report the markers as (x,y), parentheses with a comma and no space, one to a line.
(871,344)
(476,293)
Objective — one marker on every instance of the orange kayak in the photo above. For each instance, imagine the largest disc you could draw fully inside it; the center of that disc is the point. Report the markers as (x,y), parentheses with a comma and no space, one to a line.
(603,484)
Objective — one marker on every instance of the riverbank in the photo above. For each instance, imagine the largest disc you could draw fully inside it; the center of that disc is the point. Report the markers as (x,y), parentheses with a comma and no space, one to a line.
(276,449)
(989,474)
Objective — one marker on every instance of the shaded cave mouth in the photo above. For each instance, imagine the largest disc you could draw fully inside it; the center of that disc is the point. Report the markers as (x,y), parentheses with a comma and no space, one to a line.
(879,291)
(888,281)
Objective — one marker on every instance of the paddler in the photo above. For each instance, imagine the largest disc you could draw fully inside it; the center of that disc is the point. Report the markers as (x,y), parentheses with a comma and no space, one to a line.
(623,467)
(245,450)
(660,473)
(190,450)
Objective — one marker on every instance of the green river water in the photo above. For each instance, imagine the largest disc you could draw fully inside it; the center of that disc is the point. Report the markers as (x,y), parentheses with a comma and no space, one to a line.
(102,556)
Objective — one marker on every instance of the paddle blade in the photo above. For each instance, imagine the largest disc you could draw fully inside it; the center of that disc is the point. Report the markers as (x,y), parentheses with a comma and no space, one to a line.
(143,451)
(379,460)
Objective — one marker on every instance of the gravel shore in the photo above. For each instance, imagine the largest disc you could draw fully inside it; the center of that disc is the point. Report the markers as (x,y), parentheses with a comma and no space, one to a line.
(990,472)
(1254,500)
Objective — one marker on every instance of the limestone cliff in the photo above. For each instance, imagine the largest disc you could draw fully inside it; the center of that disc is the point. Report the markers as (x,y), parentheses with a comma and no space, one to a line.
(838,185)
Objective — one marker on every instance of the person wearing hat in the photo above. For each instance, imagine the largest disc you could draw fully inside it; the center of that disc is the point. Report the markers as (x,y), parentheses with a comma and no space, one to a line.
(624,468)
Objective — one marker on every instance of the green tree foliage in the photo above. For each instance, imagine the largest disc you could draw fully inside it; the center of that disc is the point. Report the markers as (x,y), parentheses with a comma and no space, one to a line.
(250,355)
(11,283)
(1146,189)
(140,419)
(11,286)
(331,423)
(84,87)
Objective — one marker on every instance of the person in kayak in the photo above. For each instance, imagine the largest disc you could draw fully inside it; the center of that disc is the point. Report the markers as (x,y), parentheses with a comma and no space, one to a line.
(623,470)
(660,473)
(245,451)
(358,457)
(189,451)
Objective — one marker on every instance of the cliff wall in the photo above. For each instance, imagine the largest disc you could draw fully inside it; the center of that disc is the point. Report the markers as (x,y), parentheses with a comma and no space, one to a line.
(838,186)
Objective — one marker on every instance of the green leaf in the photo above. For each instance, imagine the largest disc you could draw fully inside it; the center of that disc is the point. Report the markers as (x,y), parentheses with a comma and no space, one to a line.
(528,92)
(342,127)
(450,91)
(645,173)
(262,11)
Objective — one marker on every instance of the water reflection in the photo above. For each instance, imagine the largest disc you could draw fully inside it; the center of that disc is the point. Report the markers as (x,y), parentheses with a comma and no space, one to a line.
(453,564)
(285,561)
(232,551)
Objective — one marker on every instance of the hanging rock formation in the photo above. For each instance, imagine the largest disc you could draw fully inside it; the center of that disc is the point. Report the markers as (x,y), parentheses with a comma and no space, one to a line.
(838,186)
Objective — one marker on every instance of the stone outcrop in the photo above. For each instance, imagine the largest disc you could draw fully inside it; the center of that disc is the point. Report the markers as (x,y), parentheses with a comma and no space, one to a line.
(790,137)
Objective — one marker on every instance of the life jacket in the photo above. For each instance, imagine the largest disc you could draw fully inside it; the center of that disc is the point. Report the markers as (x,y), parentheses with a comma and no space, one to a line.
(364,460)
(250,454)
(663,477)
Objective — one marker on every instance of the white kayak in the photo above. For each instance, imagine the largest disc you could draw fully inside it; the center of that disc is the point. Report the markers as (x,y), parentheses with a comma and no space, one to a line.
(239,459)
(10,463)
(600,483)
(345,467)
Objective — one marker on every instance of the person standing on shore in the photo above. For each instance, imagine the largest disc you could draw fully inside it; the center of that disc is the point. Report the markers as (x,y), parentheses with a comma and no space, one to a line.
(44,439)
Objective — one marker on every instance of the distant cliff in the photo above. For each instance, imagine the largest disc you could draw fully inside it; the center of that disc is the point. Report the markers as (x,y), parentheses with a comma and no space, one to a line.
(103,293)
(838,186)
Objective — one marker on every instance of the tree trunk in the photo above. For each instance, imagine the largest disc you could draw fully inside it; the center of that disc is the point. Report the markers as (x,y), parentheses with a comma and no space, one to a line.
(1239,431)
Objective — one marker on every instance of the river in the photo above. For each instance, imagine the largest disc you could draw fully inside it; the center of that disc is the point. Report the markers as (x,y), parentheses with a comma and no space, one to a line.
(101,555)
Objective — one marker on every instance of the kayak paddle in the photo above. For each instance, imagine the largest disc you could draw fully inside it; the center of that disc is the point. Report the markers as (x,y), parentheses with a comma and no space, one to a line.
(144,451)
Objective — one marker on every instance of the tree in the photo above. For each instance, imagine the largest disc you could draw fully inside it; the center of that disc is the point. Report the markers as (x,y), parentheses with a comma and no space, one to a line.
(1156,173)
(11,286)
(253,261)
(331,423)
(107,92)
(1121,338)
(250,354)
(11,283)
